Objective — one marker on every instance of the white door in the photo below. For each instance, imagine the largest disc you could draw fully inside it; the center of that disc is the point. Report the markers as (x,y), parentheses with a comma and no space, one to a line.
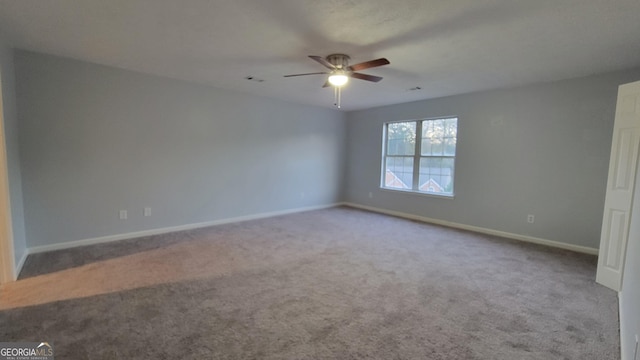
(620,187)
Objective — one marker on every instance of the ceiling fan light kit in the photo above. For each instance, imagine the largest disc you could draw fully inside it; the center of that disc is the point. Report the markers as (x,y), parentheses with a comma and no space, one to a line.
(338,78)
(341,71)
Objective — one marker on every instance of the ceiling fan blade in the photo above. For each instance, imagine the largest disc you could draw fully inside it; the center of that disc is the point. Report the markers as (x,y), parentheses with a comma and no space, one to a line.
(369,64)
(326,84)
(366,77)
(314,73)
(323,61)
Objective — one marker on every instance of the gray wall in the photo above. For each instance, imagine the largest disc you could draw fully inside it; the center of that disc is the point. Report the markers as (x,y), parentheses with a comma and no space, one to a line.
(13,157)
(95,140)
(540,149)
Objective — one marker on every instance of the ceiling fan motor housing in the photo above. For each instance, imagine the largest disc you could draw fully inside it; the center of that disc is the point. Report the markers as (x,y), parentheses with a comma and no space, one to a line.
(340,61)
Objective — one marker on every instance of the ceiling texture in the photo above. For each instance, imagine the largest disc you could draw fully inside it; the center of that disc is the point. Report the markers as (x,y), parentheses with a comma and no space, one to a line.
(442,47)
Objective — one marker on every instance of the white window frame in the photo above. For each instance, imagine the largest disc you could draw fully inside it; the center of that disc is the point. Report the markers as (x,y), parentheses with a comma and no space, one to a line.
(417,156)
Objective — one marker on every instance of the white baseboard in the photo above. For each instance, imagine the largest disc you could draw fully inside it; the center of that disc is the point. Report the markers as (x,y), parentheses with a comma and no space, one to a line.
(526,238)
(116,237)
(131,235)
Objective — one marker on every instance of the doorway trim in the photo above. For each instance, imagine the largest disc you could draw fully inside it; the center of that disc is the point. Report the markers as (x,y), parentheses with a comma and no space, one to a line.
(7,256)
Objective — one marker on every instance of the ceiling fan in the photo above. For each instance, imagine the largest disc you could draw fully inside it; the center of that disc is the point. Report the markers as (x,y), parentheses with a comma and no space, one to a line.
(341,71)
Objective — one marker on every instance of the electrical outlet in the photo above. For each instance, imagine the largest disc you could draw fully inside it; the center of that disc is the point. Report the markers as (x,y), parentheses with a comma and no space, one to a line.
(147,211)
(531,218)
(123,214)
(370,195)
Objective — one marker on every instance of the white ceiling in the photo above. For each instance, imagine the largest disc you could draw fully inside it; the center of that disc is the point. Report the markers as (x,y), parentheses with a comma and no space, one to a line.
(444,47)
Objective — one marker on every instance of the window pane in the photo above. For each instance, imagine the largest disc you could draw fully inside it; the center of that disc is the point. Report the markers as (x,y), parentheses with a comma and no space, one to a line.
(451,128)
(433,134)
(437,147)
(450,134)
(450,146)
(401,138)
(438,129)
(399,172)
(447,184)
(447,167)
(426,146)
(436,175)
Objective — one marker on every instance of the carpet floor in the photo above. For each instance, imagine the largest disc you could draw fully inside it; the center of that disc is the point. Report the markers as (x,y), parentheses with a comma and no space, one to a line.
(338,283)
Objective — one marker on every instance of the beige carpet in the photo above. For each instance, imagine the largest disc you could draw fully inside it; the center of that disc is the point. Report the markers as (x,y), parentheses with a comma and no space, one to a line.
(331,284)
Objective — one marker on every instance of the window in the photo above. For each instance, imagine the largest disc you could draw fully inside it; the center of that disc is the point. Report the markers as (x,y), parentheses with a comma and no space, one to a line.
(420,156)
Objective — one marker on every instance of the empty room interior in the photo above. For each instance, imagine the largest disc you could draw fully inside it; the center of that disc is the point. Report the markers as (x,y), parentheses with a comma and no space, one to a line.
(304,179)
